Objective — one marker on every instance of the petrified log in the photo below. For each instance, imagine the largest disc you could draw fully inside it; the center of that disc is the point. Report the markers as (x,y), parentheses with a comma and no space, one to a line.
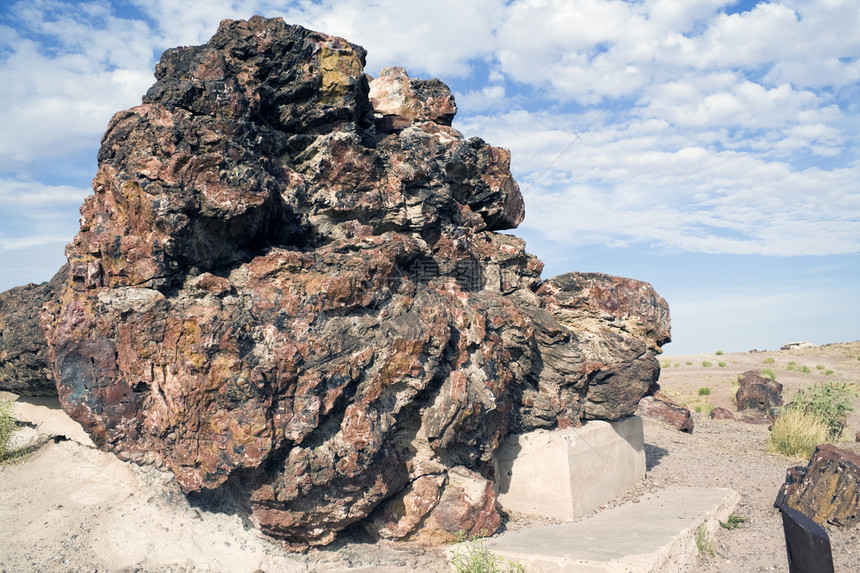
(659,407)
(720,413)
(827,489)
(288,282)
(757,392)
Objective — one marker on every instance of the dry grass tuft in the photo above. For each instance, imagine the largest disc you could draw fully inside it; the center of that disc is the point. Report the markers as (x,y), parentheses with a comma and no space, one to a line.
(796,432)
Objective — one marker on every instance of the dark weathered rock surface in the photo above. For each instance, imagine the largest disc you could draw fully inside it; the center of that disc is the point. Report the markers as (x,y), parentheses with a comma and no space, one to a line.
(827,489)
(24,364)
(287,284)
(757,392)
(661,408)
(719,413)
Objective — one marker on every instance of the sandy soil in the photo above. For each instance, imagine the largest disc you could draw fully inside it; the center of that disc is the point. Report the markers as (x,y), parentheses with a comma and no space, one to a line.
(732,453)
(71,508)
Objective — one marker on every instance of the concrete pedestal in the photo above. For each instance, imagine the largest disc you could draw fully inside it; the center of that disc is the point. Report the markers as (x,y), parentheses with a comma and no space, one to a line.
(565,474)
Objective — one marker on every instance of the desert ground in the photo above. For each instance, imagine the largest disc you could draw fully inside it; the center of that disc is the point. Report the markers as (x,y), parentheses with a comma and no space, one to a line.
(68,507)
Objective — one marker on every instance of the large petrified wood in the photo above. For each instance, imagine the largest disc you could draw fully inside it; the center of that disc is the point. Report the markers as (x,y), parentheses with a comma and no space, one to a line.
(289,282)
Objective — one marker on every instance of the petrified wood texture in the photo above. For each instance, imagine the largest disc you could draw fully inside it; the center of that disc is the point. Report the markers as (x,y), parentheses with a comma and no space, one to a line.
(288,280)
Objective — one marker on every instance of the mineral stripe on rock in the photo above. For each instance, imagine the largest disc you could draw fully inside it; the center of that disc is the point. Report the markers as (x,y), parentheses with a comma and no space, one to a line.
(289,284)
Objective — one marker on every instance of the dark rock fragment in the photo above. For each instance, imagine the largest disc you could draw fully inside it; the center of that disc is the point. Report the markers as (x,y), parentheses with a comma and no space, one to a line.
(661,408)
(25,367)
(827,489)
(757,392)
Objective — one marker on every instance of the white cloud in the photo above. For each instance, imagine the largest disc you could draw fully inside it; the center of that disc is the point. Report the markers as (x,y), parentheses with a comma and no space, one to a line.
(37,216)
(487,98)
(717,153)
(64,76)
(586,50)
(642,182)
(698,102)
(748,39)
(604,49)
(33,194)
(436,37)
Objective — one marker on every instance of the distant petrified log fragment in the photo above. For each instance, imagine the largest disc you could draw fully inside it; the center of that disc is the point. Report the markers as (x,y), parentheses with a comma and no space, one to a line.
(719,413)
(288,284)
(661,408)
(757,392)
(827,489)
(25,367)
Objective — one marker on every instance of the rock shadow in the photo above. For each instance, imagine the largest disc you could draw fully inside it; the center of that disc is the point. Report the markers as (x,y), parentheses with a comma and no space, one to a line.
(653,455)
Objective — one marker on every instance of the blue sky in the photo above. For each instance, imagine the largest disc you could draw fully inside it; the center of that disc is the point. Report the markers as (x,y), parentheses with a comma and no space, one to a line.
(709,147)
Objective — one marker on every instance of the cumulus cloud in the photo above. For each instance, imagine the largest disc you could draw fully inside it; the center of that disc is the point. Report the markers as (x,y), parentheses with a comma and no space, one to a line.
(33,194)
(36,215)
(642,182)
(65,68)
(436,37)
(707,128)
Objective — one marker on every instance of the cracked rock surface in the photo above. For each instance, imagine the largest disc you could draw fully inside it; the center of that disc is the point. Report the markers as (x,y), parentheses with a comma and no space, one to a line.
(289,285)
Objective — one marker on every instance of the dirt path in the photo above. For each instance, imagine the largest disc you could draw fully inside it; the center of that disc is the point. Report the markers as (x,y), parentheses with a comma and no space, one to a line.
(71,508)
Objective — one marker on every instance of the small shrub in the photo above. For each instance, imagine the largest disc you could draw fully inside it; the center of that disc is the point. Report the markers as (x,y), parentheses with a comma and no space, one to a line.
(666,364)
(790,366)
(706,364)
(769,360)
(704,391)
(703,544)
(805,369)
(819,366)
(733,522)
(830,402)
(719,352)
(828,372)
(689,363)
(474,557)
(769,373)
(721,364)
(795,433)
(676,365)
(7,428)
(791,362)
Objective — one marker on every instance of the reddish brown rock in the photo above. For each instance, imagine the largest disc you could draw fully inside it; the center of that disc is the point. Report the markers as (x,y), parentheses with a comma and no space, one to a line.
(827,489)
(398,100)
(278,291)
(616,328)
(661,408)
(757,392)
(719,413)
(25,367)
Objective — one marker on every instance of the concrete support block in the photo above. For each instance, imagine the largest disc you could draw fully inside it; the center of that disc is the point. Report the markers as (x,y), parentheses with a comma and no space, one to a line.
(565,474)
